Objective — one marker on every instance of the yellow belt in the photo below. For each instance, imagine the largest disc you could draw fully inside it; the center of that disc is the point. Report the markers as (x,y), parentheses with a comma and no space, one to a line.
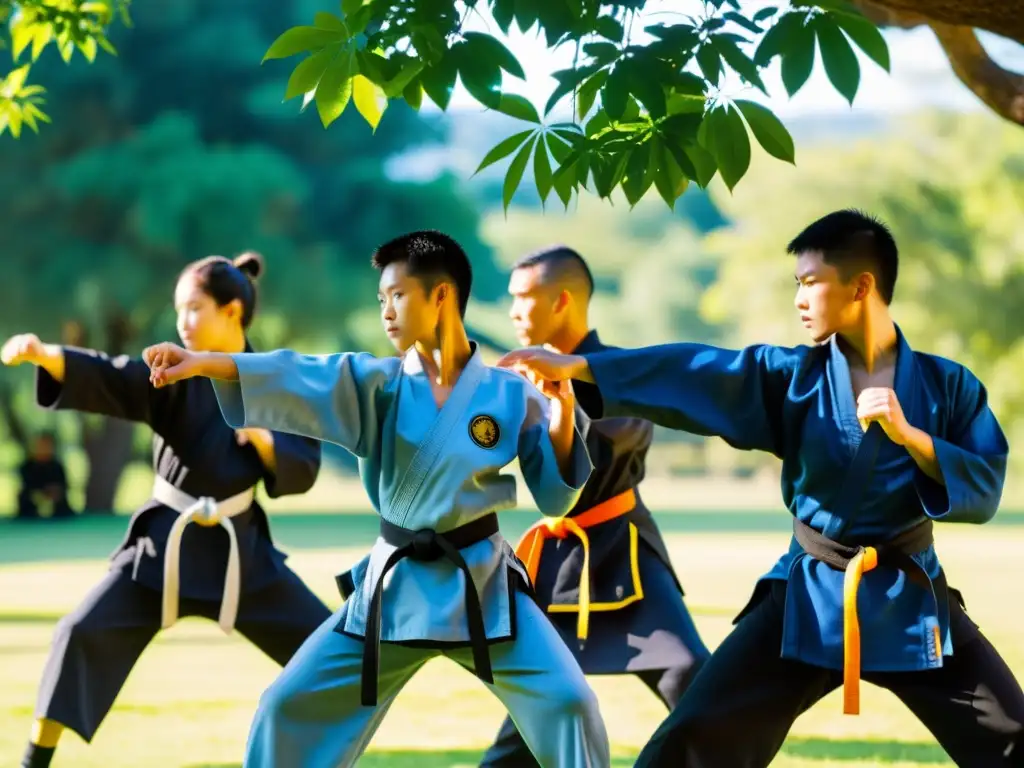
(531,545)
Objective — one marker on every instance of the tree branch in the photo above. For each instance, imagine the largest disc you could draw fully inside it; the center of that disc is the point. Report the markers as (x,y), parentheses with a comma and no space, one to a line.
(1001,90)
(1000,17)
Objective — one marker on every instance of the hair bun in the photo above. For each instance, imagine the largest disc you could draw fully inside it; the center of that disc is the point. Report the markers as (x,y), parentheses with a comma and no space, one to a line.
(251,263)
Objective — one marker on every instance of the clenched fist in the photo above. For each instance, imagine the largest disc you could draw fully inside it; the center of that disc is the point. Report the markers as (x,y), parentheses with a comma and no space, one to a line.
(169,363)
(23,348)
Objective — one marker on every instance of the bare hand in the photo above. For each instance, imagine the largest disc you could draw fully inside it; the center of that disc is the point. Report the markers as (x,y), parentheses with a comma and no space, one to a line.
(544,364)
(169,363)
(23,348)
(247,435)
(881,404)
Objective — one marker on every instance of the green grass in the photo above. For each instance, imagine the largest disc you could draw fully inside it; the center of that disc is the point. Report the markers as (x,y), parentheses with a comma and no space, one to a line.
(189,701)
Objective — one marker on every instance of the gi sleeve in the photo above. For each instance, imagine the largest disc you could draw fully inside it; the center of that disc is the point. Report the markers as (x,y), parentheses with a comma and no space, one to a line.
(737,395)
(972,457)
(334,398)
(298,464)
(96,383)
(554,494)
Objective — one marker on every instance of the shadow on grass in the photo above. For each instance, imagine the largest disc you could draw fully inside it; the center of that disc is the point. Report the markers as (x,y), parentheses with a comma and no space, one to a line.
(856,752)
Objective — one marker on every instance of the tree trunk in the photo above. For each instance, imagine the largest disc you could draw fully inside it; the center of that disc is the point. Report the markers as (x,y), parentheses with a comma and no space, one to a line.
(108,443)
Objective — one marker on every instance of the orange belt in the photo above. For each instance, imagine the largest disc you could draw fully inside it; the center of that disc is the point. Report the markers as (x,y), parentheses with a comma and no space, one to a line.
(531,546)
(864,561)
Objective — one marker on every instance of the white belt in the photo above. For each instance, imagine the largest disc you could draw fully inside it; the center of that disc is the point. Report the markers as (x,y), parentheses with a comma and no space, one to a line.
(206,511)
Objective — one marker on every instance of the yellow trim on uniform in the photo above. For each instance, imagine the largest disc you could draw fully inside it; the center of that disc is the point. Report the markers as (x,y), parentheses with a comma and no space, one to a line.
(634,569)
(531,547)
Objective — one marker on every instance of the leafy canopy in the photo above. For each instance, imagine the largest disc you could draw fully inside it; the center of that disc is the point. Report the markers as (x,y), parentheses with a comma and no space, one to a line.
(34,25)
(645,112)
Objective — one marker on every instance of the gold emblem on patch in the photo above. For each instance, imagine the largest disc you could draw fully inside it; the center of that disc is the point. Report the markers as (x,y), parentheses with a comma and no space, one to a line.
(484,431)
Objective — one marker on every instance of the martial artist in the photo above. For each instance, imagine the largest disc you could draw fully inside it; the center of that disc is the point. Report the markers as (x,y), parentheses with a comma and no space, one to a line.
(602,572)
(226,567)
(877,442)
(432,429)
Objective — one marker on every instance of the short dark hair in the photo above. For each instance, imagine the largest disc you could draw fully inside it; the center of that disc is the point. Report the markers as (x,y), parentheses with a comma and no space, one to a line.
(559,259)
(432,257)
(225,280)
(853,242)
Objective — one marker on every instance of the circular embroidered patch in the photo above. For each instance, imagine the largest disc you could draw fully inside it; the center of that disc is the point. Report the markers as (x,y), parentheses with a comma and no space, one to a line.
(484,431)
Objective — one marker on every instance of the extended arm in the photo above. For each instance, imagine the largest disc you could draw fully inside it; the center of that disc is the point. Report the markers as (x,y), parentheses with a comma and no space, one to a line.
(733,394)
(324,397)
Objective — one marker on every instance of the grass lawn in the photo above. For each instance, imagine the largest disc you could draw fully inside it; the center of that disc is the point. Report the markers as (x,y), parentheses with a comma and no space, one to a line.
(189,701)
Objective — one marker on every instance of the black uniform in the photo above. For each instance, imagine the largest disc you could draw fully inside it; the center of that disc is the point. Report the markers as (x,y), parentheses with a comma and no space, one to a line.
(645,631)
(40,479)
(97,644)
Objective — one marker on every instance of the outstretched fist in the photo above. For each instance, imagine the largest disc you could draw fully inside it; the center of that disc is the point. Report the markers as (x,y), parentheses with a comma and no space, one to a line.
(169,363)
(23,348)
(540,363)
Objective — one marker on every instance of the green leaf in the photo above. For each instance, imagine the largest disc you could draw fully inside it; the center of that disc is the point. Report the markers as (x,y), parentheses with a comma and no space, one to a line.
(602,53)
(408,72)
(682,160)
(307,74)
(300,39)
(15,79)
(493,53)
(483,84)
(615,92)
(413,94)
(515,172)
(348,7)
(637,180)
(727,141)
(765,13)
(335,88)
(743,21)
(503,149)
(798,60)
(867,37)
(588,93)
(646,84)
(838,57)
(325,20)
(703,164)
(769,131)
(514,105)
(369,99)
(709,63)
(780,38)
(542,170)
(565,179)
(610,29)
(560,149)
(503,11)
(738,60)
(22,34)
(439,81)
(669,180)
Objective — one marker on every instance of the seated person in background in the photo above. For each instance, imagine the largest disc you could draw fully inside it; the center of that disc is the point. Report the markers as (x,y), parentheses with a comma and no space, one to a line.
(44,485)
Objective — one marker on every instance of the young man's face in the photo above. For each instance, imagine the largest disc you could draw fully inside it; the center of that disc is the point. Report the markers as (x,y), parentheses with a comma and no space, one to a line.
(534,312)
(827,304)
(408,312)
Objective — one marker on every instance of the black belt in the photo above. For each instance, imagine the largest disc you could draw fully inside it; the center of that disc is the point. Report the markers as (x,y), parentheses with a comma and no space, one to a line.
(427,545)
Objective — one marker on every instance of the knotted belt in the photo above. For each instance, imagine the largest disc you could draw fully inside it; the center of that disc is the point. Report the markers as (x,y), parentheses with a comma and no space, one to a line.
(427,545)
(531,545)
(855,561)
(205,511)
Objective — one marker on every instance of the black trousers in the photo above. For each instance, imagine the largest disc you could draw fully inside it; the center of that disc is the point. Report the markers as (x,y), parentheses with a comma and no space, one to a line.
(741,706)
(96,646)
